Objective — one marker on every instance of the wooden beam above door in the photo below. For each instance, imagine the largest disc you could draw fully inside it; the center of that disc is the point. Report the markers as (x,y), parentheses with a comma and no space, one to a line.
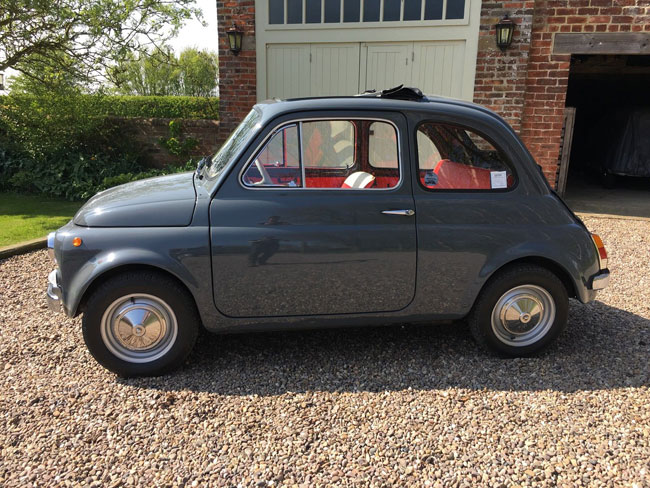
(602,43)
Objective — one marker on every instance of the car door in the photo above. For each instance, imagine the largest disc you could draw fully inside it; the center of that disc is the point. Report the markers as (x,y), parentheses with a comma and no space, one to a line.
(316,219)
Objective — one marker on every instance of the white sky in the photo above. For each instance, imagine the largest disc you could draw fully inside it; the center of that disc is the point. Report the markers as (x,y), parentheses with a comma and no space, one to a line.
(193,34)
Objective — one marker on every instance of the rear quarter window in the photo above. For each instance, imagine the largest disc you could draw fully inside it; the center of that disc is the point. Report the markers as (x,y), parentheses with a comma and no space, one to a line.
(455,158)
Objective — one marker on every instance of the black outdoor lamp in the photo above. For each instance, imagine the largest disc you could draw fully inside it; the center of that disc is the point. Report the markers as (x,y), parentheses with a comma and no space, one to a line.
(2,81)
(504,30)
(235,36)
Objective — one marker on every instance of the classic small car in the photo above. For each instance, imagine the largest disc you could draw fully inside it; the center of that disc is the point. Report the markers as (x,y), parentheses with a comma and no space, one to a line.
(387,207)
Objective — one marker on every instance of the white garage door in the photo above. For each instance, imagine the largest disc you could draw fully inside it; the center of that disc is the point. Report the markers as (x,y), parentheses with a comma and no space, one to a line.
(300,70)
(434,67)
(348,46)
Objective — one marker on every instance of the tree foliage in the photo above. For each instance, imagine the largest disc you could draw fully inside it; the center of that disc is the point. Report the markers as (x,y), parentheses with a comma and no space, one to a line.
(83,37)
(199,70)
(161,73)
(40,78)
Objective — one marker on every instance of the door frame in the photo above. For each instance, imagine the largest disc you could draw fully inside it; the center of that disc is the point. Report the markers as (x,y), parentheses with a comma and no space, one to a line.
(233,189)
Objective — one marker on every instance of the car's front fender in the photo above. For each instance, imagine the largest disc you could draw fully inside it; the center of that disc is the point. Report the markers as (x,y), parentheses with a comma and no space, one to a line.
(183,253)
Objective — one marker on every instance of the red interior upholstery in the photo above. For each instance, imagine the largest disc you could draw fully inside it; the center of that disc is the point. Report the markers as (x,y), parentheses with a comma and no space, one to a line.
(386,181)
(452,175)
(324,181)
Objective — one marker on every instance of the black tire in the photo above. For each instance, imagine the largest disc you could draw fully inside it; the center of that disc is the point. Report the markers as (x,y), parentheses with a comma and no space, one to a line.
(516,281)
(154,289)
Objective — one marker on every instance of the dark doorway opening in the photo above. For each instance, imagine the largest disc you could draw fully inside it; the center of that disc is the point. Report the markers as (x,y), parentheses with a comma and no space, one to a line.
(609,166)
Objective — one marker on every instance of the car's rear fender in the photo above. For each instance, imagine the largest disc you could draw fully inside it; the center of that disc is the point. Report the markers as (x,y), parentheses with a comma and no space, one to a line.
(573,265)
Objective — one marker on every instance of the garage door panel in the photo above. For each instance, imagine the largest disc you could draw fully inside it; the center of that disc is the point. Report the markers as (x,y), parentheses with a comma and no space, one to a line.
(300,70)
(334,69)
(386,65)
(438,67)
(287,70)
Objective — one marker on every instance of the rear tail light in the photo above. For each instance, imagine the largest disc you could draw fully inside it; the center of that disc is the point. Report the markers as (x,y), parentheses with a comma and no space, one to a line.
(602,252)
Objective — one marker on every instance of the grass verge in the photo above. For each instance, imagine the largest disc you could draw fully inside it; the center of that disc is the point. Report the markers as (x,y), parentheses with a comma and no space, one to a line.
(25,217)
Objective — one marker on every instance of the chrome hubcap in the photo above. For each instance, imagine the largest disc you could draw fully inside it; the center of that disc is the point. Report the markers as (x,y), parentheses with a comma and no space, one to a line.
(523,315)
(139,328)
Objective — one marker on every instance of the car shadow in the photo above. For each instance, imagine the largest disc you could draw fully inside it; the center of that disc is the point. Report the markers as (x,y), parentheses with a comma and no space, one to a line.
(602,348)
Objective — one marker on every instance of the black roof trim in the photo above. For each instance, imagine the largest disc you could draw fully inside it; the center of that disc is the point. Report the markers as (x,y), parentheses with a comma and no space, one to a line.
(399,92)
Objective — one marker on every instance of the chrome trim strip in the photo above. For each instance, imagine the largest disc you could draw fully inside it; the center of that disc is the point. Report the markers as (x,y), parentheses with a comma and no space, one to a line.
(600,281)
(408,212)
(299,121)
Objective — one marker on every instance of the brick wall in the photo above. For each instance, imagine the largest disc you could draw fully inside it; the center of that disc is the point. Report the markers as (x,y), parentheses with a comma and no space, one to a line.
(528,83)
(237,74)
(548,73)
(147,133)
(501,76)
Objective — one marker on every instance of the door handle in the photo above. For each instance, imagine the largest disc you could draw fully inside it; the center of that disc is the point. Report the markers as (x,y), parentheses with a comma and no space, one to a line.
(407,212)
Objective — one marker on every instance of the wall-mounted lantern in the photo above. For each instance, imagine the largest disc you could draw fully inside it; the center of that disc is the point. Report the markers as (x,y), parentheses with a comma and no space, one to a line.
(2,81)
(505,28)
(235,36)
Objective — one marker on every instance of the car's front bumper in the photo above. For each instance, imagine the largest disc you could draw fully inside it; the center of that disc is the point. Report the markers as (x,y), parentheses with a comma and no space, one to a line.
(54,293)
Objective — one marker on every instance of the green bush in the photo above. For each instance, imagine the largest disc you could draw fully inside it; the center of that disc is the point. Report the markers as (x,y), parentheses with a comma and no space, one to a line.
(122,178)
(65,146)
(175,107)
(164,107)
(75,177)
(176,144)
(130,106)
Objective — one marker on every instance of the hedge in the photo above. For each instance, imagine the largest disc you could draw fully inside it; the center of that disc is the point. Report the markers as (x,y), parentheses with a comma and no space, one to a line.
(172,107)
(67,146)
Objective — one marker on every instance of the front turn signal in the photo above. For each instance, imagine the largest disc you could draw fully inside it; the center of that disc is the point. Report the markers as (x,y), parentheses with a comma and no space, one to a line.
(76,242)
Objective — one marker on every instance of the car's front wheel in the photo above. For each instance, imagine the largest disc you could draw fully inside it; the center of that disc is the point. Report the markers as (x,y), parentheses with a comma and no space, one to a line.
(140,324)
(520,311)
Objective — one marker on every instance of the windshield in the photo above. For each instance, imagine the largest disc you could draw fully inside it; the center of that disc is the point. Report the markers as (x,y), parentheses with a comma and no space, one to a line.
(237,140)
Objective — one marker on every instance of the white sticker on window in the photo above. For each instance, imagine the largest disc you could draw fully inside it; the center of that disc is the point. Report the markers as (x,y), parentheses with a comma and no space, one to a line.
(499,179)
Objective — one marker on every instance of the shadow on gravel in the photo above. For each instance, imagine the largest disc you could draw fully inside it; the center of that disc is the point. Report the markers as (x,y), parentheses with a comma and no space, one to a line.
(602,348)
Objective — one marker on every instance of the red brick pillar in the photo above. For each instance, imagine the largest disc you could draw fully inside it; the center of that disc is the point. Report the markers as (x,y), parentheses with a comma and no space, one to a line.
(546,87)
(237,73)
(501,75)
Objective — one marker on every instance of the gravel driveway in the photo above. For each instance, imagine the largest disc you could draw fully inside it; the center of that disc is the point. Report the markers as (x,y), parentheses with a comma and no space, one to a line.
(394,406)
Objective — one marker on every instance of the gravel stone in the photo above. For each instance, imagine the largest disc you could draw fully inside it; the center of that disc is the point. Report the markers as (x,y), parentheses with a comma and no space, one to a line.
(393,406)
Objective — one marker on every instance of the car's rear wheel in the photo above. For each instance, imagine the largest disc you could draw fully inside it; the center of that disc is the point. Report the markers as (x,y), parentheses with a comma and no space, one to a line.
(520,311)
(140,324)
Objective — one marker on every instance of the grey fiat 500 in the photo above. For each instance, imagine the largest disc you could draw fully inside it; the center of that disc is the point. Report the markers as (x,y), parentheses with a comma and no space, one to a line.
(382,208)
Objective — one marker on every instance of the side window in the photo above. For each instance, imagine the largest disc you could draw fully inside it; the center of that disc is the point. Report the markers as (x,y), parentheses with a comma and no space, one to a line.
(278,163)
(328,154)
(328,144)
(451,157)
(382,145)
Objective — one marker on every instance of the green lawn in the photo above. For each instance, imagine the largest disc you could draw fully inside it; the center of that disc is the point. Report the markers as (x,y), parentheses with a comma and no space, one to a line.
(25,217)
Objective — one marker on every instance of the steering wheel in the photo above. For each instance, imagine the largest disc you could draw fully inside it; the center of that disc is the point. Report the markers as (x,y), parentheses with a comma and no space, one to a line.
(266,178)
